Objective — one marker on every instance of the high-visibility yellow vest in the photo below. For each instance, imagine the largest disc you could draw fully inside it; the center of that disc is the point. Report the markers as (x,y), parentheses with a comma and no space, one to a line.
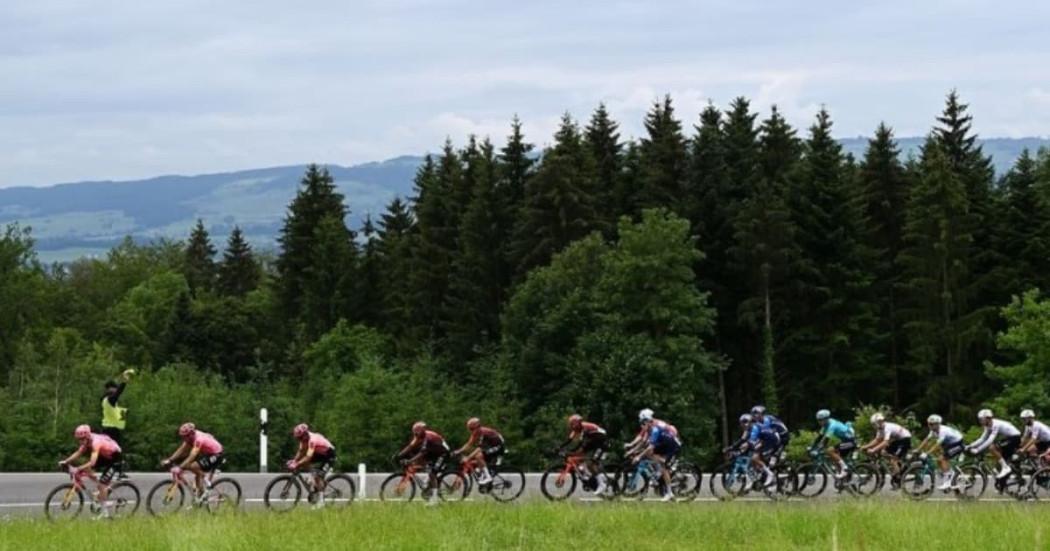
(113,416)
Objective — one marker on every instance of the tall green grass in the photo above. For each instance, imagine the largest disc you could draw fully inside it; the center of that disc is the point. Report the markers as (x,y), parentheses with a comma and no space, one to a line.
(868,525)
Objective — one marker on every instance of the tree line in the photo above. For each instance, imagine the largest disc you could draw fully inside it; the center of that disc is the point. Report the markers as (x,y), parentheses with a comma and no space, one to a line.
(705,267)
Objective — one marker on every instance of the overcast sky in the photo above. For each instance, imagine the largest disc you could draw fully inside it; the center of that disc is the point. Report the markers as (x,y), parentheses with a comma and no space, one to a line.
(100,89)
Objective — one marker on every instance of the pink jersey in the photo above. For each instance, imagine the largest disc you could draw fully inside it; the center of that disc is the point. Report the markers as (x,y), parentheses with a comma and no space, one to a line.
(104,445)
(207,443)
(319,443)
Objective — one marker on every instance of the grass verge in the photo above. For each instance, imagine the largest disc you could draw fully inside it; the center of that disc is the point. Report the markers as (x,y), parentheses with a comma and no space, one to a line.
(857,525)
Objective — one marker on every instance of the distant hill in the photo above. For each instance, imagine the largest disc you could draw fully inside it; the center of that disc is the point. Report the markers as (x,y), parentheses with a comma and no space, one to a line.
(86,218)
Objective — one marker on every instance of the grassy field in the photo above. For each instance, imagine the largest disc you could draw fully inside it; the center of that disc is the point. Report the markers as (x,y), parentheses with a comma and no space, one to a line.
(869,525)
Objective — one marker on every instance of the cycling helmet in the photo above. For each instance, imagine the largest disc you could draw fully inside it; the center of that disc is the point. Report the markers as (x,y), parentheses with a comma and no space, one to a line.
(418,428)
(575,420)
(984,414)
(823,414)
(1027,414)
(758,410)
(645,415)
(745,419)
(877,418)
(82,432)
(934,419)
(473,423)
(301,430)
(187,429)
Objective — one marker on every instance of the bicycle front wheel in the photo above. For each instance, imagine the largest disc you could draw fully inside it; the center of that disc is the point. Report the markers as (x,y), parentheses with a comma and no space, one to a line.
(685,481)
(557,483)
(225,496)
(507,484)
(64,502)
(812,480)
(864,480)
(633,484)
(398,487)
(165,498)
(283,493)
(125,499)
(970,483)
(339,490)
(917,482)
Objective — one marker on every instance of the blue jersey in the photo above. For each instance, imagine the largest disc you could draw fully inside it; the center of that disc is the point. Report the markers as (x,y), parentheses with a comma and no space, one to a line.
(766,435)
(771,421)
(661,433)
(837,429)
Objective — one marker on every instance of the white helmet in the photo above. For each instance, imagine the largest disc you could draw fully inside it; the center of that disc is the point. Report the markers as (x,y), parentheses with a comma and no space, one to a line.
(823,414)
(984,414)
(934,419)
(745,418)
(1027,414)
(877,418)
(645,415)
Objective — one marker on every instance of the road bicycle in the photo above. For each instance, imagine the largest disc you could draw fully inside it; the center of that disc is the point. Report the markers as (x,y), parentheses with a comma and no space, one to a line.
(169,496)
(738,477)
(66,501)
(638,478)
(285,491)
(560,479)
(415,478)
(860,479)
(920,477)
(507,484)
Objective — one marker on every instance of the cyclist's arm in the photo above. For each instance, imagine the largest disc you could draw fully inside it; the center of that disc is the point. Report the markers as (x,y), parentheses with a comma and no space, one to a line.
(299,453)
(178,453)
(91,462)
(76,454)
(190,457)
(466,446)
(116,395)
(1028,442)
(408,449)
(302,457)
(982,443)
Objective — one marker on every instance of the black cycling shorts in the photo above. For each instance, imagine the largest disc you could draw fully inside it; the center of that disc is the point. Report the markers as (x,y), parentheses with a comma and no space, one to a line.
(846,447)
(493,453)
(899,448)
(106,469)
(1008,446)
(322,464)
(1041,447)
(952,450)
(209,463)
(595,446)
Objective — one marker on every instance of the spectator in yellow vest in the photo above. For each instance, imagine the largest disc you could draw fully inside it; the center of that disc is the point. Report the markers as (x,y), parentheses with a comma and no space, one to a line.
(114,417)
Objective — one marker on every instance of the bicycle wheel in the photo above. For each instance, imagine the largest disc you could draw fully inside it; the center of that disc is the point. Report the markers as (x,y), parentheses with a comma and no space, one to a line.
(225,496)
(970,482)
(283,493)
(917,482)
(398,487)
(452,486)
(812,480)
(1039,484)
(787,481)
(64,502)
(863,480)
(611,477)
(339,490)
(507,484)
(685,481)
(714,483)
(633,484)
(557,484)
(125,498)
(1014,485)
(165,498)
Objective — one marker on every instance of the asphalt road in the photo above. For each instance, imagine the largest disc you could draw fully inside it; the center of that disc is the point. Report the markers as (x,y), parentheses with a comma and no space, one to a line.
(22,494)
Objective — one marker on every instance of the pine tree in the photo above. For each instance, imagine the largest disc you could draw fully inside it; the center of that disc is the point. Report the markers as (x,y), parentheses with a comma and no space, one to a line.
(764,250)
(741,150)
(1024,239)
(832,334)
(433,246)
(884,193)
(238,272)
(200,260)
(316,200)
(663,160)
(328,283)
(559,201)
(476,284)
(941,319)
(368,298)
(602,137)
(515,165)
(396,228)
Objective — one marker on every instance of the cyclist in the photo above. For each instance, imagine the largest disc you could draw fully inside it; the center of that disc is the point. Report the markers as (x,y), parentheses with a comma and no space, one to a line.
(762,417)
(949,440)
(842,433)
(592,444)
(1000,437)
(427,449)
(763,442)
(1036,437)
(661,446)
(314,451)
(104,458)
(200,452)
(488,448)
(893,438)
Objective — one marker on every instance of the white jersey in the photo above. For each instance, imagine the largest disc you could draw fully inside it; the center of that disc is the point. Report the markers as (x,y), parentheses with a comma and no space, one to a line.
(1038,431)
(946,435)
(998,430)
(893,431)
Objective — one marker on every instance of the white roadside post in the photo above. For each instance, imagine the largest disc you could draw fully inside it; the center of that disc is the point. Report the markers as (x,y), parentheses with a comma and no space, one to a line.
(362,479)
(262,439)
